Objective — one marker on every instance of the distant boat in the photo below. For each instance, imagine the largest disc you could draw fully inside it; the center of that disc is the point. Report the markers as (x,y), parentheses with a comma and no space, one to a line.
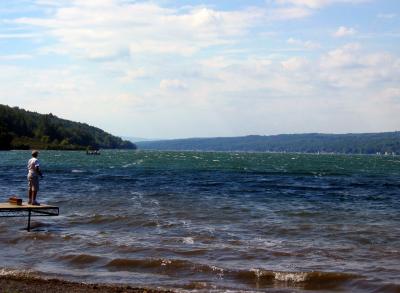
(95,152)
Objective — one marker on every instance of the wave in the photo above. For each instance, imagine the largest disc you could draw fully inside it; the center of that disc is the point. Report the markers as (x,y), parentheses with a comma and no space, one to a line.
(120,264)
(30,237)
(80,259)
(104,219)
(256,277)
(97,219)
(101,219)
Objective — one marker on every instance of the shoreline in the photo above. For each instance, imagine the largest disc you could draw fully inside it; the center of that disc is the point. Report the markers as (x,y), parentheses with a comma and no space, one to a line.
(33,284)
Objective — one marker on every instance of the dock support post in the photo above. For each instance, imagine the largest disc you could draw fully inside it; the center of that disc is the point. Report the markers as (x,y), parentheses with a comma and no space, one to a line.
(29,221)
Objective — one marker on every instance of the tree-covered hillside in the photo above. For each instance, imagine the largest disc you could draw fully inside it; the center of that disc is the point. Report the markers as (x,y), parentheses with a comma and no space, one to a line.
(365,143)
(20,129)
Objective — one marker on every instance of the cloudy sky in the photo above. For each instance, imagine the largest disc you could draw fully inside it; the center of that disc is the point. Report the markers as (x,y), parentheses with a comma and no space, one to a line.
(171,69)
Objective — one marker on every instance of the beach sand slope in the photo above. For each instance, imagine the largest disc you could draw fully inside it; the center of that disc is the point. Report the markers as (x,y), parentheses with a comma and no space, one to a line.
(18,284)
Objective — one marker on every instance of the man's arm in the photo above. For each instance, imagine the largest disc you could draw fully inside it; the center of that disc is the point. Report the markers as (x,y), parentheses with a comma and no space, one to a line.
(39,172)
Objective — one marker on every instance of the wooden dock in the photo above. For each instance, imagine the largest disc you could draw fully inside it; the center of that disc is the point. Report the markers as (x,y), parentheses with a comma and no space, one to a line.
(27,210)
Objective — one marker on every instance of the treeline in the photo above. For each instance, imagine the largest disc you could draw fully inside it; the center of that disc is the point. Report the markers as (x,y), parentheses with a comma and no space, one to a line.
(20,129)
(364,143)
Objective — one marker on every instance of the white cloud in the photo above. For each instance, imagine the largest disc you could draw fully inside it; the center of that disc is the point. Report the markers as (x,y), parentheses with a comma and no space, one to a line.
(113,28)
(341,57)
(172,84)
(314,4)
(15,57)
(306,44)
(348,69)
(18,36)
(110,28)
(132,74)
(344,32)
(294,63)
(352,68)
(51,2)
(322,89)
(308,3)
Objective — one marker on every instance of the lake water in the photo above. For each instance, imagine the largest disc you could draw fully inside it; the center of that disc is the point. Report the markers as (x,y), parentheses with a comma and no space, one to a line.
(210,221)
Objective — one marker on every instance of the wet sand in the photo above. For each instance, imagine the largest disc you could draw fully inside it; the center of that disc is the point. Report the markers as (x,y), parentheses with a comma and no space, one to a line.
(28,284)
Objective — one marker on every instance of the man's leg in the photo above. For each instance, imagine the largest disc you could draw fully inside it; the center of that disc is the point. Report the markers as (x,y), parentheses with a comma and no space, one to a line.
(30,194)
(34,193)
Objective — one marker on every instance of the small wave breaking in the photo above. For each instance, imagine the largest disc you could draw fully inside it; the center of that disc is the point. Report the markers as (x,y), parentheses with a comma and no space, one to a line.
(255,277)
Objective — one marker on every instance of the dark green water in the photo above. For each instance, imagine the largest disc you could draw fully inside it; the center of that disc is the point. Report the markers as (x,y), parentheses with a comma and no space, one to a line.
(211,221)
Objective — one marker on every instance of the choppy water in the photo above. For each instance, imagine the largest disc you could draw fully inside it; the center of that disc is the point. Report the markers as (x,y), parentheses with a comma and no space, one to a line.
(203,221)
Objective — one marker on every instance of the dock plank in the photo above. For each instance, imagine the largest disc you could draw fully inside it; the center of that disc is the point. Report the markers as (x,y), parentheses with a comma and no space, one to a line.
(8,206)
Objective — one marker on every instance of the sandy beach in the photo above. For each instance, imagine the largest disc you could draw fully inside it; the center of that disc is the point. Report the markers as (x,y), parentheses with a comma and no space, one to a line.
(29,284)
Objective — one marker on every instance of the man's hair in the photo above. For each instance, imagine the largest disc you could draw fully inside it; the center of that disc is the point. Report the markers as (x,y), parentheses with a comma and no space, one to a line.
(35,153)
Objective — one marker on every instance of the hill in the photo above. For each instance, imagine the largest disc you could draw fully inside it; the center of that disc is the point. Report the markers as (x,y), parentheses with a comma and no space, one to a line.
(21,129)
(364,143)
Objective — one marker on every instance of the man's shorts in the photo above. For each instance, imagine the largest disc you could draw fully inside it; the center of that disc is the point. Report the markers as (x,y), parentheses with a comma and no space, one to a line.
(33,182)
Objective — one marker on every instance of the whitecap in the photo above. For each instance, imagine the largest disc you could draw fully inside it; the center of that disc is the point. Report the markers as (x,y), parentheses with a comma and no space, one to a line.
(138,193)
(290,277)
(165,262)
(11,272)
(128,165)
(219,271)
(188,240)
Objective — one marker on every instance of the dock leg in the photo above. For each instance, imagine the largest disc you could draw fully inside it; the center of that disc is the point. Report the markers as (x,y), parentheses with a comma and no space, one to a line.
(29,221)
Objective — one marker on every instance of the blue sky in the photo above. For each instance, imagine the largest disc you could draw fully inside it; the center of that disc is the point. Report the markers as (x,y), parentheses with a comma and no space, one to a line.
(170,69)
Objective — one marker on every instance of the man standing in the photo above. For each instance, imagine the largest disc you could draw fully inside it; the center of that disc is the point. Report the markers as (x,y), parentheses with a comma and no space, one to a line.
(33,178)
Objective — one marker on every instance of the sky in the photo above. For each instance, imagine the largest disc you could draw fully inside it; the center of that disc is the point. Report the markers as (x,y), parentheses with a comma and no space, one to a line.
(200,68)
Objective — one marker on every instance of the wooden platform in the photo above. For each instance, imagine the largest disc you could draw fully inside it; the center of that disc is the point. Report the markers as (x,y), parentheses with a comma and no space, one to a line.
(27,210)
(6,205)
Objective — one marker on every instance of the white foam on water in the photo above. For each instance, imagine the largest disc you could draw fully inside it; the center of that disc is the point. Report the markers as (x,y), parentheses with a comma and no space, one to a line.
(155,202)
(220,271)
(265,243)
(291,277)
(136,194)
(188,240)
(165,262)
(259,273)
(11,272)
(128,165)
(6,272)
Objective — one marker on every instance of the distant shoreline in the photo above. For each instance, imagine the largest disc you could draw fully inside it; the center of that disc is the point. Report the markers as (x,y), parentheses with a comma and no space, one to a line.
(351,143)
(222,151)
